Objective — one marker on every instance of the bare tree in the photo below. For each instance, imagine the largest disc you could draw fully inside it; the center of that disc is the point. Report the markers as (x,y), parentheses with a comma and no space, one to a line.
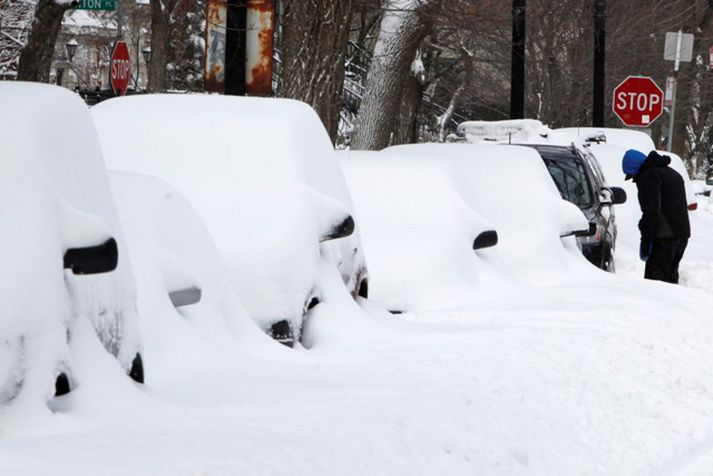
(314,44)
(404,25)
(36,57)
(15,20)
(161,15)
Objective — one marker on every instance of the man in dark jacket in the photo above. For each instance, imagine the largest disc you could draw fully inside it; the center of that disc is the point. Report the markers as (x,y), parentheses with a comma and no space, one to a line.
(664,222)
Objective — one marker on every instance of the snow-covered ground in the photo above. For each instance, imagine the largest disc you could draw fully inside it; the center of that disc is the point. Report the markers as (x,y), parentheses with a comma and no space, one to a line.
(608,377)
(611,375)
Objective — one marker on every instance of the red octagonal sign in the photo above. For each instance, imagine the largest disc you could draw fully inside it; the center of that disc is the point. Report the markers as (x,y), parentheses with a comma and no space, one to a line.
(638,101)
(120,70)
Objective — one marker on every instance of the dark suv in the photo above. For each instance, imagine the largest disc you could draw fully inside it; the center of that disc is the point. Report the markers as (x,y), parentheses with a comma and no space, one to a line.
(580,180)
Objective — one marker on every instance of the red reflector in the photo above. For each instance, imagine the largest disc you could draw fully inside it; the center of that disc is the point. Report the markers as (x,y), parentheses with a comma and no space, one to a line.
(693,207)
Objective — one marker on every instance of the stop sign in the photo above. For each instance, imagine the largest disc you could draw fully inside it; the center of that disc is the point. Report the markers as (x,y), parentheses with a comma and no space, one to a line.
(638,101)
(120,68)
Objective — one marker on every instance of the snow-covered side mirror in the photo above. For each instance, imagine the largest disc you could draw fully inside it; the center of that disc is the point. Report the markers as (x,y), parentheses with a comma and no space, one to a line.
(97,259)
(341,230)
(90,247)
(486,239)
(182,285)
(186,296)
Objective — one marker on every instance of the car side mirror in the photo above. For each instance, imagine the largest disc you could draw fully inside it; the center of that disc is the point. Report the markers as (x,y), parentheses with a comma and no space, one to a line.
(185,297)
(486,239)
(591,231)
(92,259)
(342,230)
(618,195)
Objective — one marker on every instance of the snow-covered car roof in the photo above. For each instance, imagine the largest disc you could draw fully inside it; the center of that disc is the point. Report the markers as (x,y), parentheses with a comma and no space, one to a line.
(49,146)
(511,188)
(261,174)
(626,138)
(513,131)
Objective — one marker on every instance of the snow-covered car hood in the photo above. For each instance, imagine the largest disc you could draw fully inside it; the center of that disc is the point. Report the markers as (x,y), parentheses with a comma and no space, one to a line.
(509,186)
(257,172)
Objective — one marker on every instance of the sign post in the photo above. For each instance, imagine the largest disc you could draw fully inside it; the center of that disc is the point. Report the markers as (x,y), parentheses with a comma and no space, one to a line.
(120,70)
(678,48)
(638,101)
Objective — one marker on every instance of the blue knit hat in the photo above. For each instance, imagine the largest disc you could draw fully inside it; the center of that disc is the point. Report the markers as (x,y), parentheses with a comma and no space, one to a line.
(632,162)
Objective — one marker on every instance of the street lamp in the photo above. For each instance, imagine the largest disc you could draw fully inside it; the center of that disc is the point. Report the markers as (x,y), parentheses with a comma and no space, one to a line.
(147,54)
(71,46)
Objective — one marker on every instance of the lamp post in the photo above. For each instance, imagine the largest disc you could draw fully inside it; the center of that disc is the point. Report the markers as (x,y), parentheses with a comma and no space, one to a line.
(147,54)
(71,47)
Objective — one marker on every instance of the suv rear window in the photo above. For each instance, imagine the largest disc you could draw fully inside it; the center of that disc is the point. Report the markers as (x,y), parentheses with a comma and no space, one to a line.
(572,182)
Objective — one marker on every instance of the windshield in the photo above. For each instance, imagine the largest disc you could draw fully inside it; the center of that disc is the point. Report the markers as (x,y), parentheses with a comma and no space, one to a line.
(571,180)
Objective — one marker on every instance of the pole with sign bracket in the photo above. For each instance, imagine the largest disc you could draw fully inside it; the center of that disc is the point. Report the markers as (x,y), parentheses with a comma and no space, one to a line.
(679,49)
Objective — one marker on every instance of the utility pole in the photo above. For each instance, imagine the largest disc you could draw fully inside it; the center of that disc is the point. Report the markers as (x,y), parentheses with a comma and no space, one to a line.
(235,38)
(119,20)
(600,35)
(517,78)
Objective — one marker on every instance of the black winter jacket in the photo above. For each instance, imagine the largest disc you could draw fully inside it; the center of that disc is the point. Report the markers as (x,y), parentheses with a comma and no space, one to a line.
(662,197)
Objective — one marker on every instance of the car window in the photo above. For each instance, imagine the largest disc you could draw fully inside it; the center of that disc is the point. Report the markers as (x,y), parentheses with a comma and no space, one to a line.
(571,180)
(596,169)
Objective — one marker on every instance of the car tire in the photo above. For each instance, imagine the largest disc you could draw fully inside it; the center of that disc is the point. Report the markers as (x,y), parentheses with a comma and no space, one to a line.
(137,369)
(61,385)
(608,261)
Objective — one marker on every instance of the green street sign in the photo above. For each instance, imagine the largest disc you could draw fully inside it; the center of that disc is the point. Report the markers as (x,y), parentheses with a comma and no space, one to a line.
(95,5)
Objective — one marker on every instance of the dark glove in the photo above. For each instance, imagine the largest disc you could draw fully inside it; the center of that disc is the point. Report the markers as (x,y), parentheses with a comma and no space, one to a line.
(645,249)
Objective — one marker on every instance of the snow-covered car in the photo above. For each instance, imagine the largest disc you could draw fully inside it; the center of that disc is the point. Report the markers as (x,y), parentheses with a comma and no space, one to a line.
(58,212)
(262,175)
(183,292)
(512,131)
(509,186)
(626,138)
(426,245)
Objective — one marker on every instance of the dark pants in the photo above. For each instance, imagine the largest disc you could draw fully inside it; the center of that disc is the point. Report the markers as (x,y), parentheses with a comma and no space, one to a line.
(666,254)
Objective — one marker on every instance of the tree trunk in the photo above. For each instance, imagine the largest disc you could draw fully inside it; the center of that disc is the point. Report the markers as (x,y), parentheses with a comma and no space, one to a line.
(36,57)
(314,41)
(401,33)
(406,127)
(160,12)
